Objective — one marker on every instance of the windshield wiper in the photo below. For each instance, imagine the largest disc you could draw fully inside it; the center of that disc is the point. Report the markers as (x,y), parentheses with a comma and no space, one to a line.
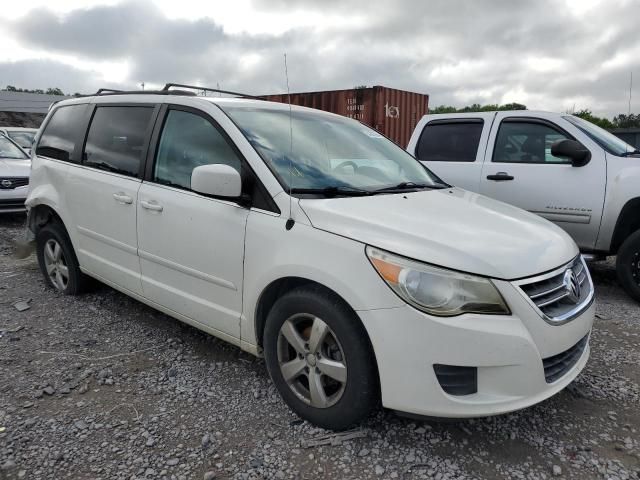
(631,152)
(407,186)
(334,191)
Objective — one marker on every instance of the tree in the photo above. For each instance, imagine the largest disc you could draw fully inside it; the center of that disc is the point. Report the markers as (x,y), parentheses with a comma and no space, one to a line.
(476,107)
(54,91)
(626,121)
(50,91)
(590,117)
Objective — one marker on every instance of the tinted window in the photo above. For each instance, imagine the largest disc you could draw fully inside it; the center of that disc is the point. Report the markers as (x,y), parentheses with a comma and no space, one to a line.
(522,142)
(449,142)
(116,140)
(58,139)
(188,141)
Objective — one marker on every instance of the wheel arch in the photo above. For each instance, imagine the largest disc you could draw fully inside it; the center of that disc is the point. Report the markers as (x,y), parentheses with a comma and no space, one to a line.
(628,222)
(42,214)
(272,292)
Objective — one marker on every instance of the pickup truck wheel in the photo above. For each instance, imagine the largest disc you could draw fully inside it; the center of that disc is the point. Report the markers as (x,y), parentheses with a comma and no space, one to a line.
(58,261)
(320,359)
(628,265)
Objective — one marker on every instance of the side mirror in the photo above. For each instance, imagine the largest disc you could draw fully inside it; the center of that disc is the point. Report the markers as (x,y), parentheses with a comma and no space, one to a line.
(218,180)
(574,151)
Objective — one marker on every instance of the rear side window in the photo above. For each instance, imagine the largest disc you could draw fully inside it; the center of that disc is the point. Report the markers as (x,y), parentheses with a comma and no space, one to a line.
(117,139)
(59,136)
(188,141)
(450,142)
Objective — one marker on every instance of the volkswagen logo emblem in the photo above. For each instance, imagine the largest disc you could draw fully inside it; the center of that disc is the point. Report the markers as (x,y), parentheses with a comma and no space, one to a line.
(6,183)
(571,285)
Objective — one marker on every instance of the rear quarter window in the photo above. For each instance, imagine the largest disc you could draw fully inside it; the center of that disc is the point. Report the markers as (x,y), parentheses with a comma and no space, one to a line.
(442,141)
(58,140)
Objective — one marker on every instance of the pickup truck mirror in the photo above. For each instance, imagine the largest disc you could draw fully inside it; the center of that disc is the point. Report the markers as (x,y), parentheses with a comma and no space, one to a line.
(574,151)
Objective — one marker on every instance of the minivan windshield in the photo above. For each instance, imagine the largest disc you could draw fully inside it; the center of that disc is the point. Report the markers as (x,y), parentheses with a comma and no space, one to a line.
(606,140)
(21,137)
(9,150)
(316,152)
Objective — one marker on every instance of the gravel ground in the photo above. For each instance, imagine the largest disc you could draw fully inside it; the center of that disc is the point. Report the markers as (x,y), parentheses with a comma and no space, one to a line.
(102,387)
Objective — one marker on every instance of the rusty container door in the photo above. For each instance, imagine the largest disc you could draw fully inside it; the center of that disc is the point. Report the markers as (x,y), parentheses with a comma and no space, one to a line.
(397,112)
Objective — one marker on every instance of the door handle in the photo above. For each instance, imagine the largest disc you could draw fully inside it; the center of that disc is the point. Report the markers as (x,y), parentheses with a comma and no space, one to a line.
(122,197)
(151,205)
(500,177)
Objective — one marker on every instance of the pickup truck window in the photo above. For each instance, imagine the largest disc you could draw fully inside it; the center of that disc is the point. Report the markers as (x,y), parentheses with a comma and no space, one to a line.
(443,141)
(606,140)
(524,142)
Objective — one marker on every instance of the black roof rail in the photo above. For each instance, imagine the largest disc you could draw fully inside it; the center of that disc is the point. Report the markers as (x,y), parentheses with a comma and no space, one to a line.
(108,90)
(111,91)
(168,86)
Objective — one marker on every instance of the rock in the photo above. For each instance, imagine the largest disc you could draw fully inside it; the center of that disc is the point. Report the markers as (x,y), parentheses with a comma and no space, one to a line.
(206,440)
(150,442)
(363,453)
(557,471)
(210,475)
(172,462)
(80,425)
(22,473)
(8,465)
(379,470)
(49,390)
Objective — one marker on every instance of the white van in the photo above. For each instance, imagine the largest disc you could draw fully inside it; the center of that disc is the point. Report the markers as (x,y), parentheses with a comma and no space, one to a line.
(310,239)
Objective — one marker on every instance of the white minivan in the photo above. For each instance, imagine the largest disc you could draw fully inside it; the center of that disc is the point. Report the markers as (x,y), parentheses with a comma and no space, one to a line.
(310,239)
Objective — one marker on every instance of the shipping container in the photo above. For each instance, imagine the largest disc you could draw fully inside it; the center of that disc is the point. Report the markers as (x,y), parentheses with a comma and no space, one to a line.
(394,113)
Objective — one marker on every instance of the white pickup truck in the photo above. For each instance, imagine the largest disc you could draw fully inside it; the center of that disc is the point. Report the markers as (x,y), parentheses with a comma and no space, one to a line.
(556,165)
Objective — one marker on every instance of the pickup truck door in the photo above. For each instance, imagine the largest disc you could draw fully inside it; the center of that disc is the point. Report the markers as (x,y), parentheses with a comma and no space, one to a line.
(519,169)
(453,146)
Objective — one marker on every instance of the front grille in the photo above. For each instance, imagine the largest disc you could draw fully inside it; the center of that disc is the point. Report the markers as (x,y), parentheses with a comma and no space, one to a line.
(562,294)
(457,380)
(556,366)
(10,204)
(8,183)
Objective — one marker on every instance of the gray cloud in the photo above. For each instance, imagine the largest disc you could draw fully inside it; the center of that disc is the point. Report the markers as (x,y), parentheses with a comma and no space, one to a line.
(458,51)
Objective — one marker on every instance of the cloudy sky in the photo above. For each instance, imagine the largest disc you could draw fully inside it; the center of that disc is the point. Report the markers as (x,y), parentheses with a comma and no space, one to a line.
(547,54)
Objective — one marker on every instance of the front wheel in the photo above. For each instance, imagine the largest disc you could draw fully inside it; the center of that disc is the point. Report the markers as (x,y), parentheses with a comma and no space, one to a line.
(628,265)
(319,357)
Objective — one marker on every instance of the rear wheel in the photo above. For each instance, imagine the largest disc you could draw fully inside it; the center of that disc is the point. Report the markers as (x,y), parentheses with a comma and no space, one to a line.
(628,265)
(58,261)
(320,359)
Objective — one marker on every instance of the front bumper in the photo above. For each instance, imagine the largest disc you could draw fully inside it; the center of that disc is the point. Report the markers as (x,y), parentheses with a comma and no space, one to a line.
(507,350)
(12,200)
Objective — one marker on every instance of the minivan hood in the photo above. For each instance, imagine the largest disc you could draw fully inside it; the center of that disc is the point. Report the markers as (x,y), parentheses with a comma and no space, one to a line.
(14,168)
(452,228)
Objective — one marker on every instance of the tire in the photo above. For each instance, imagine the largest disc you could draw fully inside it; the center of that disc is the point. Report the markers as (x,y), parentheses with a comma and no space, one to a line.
(58,260)
(628,265)
(321,318)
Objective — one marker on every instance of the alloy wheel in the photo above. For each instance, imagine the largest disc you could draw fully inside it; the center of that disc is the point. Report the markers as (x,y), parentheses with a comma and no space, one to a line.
(311,360)
(56,265)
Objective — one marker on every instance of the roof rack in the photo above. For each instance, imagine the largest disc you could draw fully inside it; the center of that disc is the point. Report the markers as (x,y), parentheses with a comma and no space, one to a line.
(167,90)
(111,91)
(168,86)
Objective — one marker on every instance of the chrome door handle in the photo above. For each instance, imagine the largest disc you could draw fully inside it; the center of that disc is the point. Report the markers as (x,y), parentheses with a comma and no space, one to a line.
(122,197)
(151,205)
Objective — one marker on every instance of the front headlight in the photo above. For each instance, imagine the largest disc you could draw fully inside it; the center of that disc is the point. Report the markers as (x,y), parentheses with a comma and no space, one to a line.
(435,290)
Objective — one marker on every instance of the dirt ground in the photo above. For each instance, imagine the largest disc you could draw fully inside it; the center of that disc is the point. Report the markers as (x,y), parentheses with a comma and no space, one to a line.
(100,386)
